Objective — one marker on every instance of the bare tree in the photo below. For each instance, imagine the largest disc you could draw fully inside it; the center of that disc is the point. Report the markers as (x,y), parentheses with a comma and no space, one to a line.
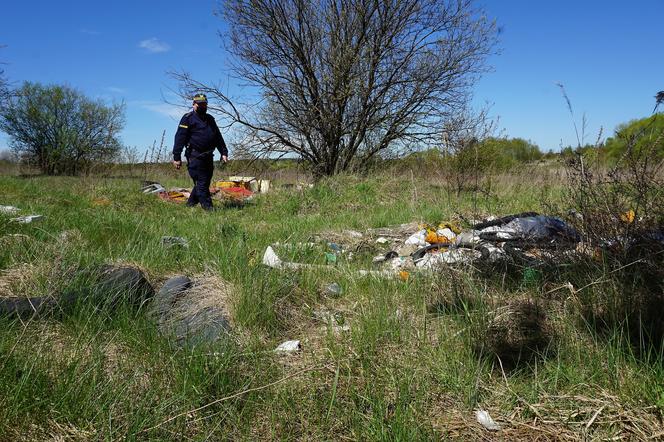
(341,81)
(4,82)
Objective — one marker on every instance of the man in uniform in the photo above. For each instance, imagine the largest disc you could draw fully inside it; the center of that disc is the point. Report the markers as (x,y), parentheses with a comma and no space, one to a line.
(199,133)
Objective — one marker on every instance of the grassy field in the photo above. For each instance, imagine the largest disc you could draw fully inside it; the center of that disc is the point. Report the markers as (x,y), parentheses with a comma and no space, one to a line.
(410,364)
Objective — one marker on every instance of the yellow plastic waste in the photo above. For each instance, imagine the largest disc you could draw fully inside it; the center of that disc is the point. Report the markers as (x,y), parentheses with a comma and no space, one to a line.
(404,275)
(225,184)
(434,237)
(628,217)
(452,226)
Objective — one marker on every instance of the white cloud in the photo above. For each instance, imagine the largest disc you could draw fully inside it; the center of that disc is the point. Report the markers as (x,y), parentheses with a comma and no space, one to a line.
(169,110)
(154,45)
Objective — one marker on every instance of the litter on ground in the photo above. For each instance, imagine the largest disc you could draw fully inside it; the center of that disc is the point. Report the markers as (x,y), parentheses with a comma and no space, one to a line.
(288,347)
(9,210)
(527,238)
(27,219)
(235,189)
(486,421)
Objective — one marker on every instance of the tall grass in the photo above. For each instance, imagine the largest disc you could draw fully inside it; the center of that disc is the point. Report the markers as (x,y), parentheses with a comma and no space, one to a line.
(411,366)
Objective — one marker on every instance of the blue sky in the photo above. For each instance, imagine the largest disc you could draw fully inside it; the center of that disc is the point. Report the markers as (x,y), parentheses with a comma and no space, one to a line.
(608,54)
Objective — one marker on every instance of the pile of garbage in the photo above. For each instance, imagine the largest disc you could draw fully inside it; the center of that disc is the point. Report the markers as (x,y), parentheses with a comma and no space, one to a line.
(235,189)
(528,238)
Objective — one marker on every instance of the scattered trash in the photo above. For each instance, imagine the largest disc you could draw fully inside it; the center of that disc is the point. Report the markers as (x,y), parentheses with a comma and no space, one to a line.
(9,210)
(526,238)
(386,257)
(174,241)
(335,247)
(27,219)
(353,233)
(333,290)
(153,188)
(248,182)
(271,259)
(418,239)
(628,217)
(175,195)
(486,421)
(288,347)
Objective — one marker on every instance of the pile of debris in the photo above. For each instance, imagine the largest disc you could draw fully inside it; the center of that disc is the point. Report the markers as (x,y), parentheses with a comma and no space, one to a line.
(528,238)
(236,189)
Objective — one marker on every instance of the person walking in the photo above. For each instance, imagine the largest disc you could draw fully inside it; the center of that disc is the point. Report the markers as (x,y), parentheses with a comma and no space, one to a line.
(199,133)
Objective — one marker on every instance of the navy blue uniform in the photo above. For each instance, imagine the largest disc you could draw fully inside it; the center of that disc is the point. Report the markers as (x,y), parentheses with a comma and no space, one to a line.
(201,136)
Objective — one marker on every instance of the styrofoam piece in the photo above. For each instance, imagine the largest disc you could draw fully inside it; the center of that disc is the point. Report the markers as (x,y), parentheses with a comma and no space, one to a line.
(289,347)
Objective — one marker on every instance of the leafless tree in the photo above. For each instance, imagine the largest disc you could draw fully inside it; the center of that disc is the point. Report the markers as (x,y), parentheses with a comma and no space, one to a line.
(4,82)
(340,81)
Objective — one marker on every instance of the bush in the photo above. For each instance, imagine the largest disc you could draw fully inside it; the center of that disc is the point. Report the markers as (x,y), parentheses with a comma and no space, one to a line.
(620,212)
(59,130)
(644,134)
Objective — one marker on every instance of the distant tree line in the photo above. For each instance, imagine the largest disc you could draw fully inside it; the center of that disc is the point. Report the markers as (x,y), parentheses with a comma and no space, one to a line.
(633,137)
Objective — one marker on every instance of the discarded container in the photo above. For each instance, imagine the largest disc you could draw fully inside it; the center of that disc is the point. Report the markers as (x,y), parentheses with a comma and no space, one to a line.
(485,420)
(259,186)
(27,219)
(288,347)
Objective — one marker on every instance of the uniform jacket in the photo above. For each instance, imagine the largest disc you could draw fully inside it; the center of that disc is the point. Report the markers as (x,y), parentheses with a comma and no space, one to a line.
(200,135)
